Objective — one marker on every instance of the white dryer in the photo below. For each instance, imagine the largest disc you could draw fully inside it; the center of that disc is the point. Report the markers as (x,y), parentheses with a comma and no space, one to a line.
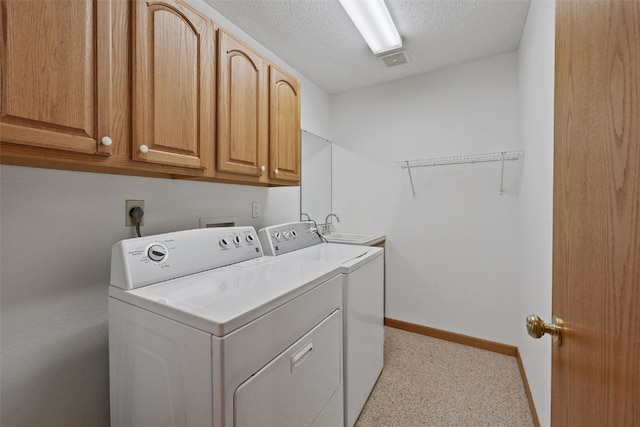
(362,270)
(205,331)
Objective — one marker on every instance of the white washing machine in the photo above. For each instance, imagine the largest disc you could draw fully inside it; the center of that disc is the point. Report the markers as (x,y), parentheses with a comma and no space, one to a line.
(362,270)
(205,331)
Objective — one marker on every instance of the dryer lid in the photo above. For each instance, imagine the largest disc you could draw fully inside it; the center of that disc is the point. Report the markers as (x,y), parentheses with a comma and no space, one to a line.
(222,300)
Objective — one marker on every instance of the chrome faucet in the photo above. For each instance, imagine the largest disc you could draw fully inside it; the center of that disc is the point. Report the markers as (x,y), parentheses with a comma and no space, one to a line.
(326,228)
(305,214)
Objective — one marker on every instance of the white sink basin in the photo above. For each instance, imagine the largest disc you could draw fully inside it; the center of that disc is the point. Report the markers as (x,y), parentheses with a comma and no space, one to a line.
(352,238)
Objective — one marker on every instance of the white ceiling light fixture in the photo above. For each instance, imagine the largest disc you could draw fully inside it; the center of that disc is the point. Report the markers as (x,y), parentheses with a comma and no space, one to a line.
(374,22)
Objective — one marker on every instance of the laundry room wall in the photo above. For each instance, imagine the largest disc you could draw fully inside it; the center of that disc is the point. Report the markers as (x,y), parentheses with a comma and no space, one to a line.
(452,251)
(536,88)
(56,232)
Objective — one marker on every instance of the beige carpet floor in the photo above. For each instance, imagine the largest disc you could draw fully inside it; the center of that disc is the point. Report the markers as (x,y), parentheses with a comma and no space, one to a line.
(431,382)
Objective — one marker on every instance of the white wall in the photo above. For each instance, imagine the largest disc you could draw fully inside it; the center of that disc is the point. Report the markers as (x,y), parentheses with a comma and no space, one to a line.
(536,84)
(452,251)
(57,229)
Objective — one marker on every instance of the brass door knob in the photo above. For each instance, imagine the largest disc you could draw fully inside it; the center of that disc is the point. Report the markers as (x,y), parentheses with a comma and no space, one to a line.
(537,328)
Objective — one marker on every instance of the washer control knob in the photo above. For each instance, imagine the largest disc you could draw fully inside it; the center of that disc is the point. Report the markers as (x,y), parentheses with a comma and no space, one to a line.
(286,235)
(250,238)
(294,233)
(237,240)
(224,243)
(157,253)
(277,236)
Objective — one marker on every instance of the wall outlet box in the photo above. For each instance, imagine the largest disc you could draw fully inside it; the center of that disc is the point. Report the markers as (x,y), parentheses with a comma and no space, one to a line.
(218,221)
(130,204)
(255,210)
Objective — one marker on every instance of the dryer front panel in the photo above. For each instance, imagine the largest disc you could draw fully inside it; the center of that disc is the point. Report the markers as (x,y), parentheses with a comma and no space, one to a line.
(293,388)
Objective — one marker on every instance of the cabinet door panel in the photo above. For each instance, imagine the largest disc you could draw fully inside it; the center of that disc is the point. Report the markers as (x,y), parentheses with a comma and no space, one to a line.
(173,84)
(52,74)
(175,70)
(242,109)
(284,116)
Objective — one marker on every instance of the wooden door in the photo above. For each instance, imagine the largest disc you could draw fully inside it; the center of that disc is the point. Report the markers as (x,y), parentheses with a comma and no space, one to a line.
(596,254)
(284,126)
(242,108)
(173,84)
(56,81)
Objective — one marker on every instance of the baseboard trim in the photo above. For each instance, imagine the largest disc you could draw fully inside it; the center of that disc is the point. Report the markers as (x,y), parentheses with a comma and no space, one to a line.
(527,390)
(496,347)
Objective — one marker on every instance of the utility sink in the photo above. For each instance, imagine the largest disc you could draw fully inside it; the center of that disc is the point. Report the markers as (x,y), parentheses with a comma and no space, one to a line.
(354,238)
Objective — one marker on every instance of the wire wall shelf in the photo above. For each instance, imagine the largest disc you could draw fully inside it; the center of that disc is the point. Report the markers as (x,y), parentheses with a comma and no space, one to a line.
(501,158)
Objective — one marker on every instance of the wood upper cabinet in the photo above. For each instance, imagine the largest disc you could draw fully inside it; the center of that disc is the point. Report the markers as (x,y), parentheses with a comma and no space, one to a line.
(56,74)
(173,85)
(284,126)
(140,75)
(242,109)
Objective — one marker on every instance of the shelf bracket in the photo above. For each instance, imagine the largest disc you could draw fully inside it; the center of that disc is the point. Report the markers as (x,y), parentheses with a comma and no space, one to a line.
(413,190)
(502,176)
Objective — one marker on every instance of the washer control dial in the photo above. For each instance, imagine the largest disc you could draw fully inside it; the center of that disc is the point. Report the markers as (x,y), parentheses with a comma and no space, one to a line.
(250,238)
(237,240)
(224,243)
(294,233)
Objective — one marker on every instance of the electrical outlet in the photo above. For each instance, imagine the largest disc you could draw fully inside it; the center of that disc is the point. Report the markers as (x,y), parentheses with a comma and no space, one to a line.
(130,204)
(255,210)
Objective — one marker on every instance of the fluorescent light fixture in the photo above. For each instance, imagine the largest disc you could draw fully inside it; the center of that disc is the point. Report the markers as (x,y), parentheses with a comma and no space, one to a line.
(372,19)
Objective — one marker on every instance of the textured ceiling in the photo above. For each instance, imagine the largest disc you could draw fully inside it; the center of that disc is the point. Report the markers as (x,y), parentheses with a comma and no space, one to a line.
(317,38)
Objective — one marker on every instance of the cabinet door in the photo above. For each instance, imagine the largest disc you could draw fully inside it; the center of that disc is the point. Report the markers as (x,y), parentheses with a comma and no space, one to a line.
(56,74)
(284,125)
(173,84)
(242,108)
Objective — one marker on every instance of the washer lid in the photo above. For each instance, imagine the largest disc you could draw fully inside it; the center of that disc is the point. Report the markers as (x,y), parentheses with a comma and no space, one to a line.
(346,257)
(222,300)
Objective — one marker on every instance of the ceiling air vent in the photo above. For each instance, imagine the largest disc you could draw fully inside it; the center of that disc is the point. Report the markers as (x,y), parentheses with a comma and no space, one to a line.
(394,58)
